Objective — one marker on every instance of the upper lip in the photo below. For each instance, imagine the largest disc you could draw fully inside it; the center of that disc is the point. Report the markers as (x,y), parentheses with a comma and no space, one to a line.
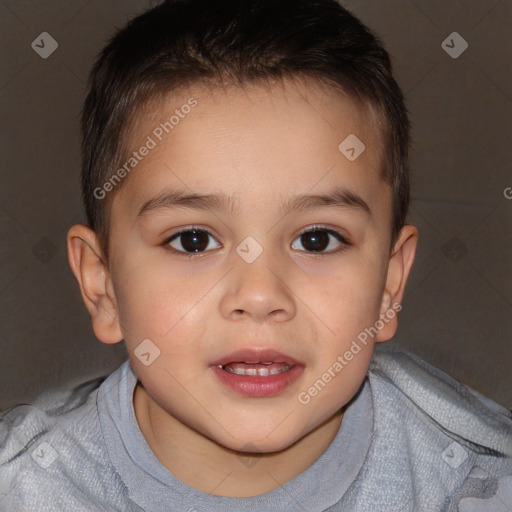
(256,356)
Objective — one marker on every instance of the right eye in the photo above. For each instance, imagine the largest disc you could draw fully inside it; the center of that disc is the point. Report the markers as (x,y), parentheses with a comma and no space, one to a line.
(191,240)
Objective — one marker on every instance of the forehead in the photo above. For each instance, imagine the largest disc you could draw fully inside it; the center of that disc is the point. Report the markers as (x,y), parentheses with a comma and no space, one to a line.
(267,138)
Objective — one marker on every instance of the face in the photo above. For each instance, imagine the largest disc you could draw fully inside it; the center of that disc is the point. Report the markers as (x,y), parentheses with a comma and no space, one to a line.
(249,298)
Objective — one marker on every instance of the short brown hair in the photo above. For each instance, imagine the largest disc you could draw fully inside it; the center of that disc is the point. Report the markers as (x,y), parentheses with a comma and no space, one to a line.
(182,42)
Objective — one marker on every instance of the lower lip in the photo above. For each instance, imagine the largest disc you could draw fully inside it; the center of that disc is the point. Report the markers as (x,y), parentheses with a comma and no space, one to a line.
(257,386)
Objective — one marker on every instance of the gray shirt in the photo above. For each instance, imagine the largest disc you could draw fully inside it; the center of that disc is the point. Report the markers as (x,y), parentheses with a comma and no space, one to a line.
(413,439)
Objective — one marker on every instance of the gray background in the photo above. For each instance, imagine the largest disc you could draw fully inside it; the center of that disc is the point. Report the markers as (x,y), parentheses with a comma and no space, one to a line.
(457,310)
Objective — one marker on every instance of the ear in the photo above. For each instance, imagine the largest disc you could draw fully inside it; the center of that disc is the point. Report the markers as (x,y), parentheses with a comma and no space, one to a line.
(87,263)
(399,268)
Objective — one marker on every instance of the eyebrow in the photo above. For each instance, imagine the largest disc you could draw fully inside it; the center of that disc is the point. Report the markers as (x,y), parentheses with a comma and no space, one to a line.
(339,197)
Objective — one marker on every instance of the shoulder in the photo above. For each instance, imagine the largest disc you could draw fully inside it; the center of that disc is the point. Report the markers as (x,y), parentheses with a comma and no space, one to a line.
(52,453)
(451,438)
(432,392)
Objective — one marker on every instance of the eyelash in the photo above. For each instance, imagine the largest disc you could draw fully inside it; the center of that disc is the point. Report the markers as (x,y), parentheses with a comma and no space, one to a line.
(190,255)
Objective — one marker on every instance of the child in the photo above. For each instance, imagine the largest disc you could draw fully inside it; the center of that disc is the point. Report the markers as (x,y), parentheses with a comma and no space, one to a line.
(272,132)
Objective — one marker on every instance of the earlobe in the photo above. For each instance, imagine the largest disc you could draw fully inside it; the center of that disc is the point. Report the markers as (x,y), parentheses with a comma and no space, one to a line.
(88,266)
(399,268)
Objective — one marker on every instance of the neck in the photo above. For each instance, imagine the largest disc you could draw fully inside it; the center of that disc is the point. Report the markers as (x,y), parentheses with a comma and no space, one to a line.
(209,467)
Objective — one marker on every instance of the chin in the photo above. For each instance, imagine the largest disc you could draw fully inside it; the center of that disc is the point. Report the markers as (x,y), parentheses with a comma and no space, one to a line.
(255,443)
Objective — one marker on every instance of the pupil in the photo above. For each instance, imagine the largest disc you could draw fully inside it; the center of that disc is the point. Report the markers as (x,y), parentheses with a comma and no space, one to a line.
(318,240)
(194,241)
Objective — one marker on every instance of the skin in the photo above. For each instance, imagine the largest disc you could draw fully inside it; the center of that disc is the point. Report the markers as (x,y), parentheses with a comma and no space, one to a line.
(259,144)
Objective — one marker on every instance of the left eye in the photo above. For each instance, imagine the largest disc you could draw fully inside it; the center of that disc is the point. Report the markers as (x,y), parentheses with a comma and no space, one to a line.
(320,239)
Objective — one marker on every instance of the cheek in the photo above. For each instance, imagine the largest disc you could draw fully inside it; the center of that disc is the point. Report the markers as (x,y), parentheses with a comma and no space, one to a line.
(334,382)
(347,300)
(158,304)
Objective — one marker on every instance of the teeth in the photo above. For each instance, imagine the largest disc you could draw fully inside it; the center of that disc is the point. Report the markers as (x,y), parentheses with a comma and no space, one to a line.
(260,372)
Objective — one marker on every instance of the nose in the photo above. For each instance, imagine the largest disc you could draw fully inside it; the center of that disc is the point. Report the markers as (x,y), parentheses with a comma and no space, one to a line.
(259,290)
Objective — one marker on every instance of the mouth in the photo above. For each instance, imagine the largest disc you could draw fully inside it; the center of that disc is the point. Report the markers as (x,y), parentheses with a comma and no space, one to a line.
(257,373)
